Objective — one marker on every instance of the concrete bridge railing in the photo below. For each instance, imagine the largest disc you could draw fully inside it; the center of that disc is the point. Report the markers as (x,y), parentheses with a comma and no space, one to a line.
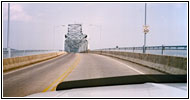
(167,64)
(17,62)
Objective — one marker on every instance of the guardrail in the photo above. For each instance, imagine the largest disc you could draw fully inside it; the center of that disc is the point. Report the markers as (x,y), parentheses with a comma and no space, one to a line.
(163,63)
(161,48)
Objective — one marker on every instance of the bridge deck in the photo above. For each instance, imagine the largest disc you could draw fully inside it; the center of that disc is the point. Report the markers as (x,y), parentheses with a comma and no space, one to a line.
(44,76)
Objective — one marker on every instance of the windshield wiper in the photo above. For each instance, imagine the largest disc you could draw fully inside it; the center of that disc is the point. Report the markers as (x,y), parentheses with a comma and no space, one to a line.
(122,80)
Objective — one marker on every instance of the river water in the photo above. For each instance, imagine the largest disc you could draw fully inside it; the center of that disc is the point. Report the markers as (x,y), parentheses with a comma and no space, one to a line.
(17,53)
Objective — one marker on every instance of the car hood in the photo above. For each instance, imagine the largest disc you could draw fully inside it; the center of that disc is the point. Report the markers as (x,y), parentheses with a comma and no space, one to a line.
(146,90)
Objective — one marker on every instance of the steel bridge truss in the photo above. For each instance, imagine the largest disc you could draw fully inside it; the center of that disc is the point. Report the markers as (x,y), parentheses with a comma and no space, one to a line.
(75,40)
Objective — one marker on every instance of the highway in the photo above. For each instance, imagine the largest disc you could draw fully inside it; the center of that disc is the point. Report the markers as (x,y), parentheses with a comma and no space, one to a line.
(46,75)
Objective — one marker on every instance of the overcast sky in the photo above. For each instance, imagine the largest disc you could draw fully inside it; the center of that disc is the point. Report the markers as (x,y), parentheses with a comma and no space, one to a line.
(106,24)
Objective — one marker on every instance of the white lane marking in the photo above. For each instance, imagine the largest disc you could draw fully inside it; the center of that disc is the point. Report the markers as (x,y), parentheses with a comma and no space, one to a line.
(124,65)
(132,68)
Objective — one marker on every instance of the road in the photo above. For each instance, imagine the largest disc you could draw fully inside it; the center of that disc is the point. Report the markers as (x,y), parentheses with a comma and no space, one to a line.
(45,76)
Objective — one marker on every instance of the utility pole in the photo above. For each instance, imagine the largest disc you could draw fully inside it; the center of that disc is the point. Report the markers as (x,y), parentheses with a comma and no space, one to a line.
(100,29)
(63,26)
(146,30)
(54,38)
(54,35)
(8,28)
(100,36)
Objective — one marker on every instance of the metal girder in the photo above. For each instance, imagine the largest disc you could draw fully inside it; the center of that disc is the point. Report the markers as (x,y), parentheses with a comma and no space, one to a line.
(75,39)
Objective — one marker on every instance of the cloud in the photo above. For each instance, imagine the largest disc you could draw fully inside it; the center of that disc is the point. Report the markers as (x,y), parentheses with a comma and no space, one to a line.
(17,13)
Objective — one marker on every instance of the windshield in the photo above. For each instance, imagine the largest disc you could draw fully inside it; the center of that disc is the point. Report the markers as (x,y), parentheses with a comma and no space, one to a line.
(47,43)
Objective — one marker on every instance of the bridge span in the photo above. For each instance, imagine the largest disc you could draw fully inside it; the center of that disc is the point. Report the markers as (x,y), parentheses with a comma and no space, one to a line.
(45,76)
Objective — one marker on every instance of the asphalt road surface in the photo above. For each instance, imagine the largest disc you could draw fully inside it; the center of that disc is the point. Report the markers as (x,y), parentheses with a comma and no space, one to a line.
(45,76)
